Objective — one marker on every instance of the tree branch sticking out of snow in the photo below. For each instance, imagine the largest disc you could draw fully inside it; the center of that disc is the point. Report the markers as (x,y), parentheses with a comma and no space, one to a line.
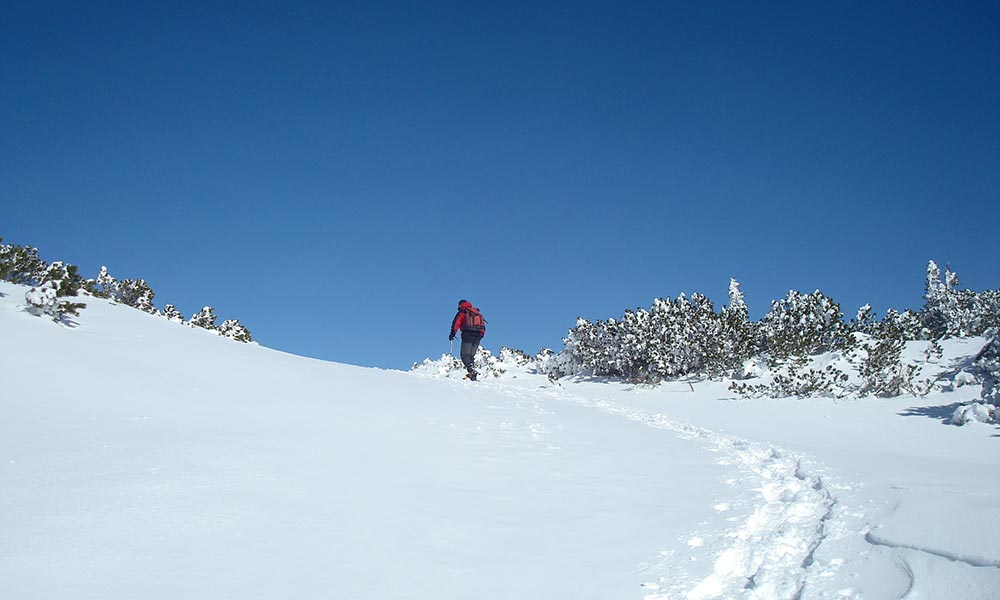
(44,300)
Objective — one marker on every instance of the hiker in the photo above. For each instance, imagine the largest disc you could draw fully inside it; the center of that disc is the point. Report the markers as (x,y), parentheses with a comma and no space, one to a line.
(473,326)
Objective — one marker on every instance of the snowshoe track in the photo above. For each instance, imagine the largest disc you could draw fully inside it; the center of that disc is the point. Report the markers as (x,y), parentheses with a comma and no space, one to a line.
(767,556)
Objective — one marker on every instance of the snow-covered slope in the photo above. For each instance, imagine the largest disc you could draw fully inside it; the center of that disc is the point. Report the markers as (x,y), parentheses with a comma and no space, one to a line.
(140,458)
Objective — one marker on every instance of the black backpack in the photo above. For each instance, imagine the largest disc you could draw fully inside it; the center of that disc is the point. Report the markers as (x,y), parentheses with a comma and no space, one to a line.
(473,321)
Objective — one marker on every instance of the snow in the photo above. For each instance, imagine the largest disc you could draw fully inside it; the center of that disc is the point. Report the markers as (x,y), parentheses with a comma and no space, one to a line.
(144,459)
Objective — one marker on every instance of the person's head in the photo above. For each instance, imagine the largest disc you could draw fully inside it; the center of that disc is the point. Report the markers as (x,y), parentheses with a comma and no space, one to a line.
(463,303)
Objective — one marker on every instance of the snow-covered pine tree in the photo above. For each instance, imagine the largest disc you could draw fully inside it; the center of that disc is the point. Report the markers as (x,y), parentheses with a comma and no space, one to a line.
(21,264)
(557,364)
(987,410)
(933,286)
(987,307)
(681,335)
(611,360)
(674,344)
(907,324)
(662,316)
(44,299)
(514,356)
(679,344)
(933,352)
(966,319)
(803,325)
(135,293)
(950,312)
(604,348)
(737,336)
(938,302)
(864,321)
(580,348)
(797,378)
(107,286)
(636,346)
(66,278)
(623,357)
(232,329)
(130,292)
(204,319)
(882,371)
(51,282)
(171,313)
(988,364)
(797,327)
(487,365)
(703,330)
(701,340)
(545,363)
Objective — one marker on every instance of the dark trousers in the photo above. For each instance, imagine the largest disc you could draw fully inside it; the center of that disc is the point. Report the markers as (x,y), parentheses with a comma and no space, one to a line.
(470,345)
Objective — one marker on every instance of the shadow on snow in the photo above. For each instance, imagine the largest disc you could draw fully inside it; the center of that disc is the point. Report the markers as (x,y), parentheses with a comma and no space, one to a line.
(942,413)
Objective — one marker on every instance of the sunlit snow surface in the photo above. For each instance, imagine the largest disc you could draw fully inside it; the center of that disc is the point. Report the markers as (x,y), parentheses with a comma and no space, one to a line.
(144,459)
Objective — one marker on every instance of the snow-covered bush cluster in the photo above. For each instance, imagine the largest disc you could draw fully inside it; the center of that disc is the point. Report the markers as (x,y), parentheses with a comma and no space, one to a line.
(232,329)
(675,337)
(53,283)
(803,325)
(487,365)
(681,337)
(21,264)
(130,292)
(780,354)
(951,312)
(882,370)
(798,376)
(987,365)
(44,299)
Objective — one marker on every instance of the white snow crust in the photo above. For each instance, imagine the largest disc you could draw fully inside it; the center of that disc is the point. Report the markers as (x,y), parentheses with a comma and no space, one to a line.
(143,459)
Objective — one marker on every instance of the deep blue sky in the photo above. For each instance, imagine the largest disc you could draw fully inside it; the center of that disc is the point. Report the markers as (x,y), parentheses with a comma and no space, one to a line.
(338,175)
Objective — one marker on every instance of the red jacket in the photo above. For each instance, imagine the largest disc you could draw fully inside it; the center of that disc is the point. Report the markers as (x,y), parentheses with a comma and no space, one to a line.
(458,323)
